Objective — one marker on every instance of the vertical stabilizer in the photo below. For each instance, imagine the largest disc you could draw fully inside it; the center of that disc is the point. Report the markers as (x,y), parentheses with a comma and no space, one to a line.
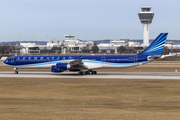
(156,47)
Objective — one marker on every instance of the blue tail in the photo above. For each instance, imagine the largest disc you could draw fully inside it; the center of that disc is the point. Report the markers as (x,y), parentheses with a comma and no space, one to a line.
(156,46)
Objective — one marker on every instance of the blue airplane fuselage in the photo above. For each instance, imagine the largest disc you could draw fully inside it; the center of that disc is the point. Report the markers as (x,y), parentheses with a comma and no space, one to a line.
(106,61)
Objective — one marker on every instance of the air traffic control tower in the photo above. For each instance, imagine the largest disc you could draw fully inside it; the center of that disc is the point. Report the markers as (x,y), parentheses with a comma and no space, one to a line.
(146,17)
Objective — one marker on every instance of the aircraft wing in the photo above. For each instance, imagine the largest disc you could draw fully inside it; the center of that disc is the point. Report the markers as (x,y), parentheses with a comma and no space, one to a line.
(78,63)
(92,65)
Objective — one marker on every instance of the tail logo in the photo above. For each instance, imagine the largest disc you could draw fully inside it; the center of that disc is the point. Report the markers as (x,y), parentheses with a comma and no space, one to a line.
(156,46)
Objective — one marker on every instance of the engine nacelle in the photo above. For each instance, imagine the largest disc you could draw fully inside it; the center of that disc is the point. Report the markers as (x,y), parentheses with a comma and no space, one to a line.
(60,67)
(53,69)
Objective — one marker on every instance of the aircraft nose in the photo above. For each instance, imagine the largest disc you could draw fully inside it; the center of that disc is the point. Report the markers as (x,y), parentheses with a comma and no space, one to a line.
(5,62)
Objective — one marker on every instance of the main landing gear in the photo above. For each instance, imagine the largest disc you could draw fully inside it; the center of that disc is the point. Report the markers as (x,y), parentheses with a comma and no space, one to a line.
(87,72)
(15,70)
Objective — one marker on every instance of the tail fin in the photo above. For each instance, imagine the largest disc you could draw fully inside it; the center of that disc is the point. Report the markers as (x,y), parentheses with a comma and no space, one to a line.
(156,47)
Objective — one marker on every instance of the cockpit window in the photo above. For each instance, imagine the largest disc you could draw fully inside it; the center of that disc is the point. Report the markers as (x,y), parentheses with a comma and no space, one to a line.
(6,60)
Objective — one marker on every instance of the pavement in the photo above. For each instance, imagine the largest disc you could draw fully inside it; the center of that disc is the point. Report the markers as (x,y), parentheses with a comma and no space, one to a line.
(120,75)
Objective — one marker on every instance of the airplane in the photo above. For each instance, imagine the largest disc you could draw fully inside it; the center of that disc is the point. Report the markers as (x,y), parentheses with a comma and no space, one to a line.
(78,63)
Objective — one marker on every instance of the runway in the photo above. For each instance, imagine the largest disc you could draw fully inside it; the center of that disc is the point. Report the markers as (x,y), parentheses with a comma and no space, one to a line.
(121,75)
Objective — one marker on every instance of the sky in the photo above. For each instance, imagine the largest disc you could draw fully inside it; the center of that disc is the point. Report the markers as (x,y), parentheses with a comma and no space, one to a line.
(86,19)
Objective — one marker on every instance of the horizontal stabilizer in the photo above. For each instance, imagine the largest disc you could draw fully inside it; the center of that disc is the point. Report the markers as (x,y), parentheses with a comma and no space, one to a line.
(154,57)
(163,56)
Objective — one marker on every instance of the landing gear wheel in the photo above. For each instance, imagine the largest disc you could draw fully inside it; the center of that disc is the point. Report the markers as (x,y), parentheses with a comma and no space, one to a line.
(80,73)
(93,72)
(15,70)
(87,72)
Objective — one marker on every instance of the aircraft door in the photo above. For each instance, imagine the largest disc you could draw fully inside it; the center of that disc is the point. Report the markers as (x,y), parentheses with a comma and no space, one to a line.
(135,58)
(103,59)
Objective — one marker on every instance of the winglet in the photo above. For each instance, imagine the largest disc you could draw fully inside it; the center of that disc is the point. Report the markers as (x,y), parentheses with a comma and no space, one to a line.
(80,57)
(156,47)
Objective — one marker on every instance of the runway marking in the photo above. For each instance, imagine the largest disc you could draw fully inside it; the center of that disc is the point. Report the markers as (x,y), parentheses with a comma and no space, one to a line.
(99,75)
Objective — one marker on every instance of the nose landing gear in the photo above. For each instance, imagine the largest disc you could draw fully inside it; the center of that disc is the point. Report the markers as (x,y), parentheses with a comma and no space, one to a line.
(15,70)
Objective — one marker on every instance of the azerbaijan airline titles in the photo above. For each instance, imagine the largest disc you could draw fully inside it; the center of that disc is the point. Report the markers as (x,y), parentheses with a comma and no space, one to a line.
(79,63)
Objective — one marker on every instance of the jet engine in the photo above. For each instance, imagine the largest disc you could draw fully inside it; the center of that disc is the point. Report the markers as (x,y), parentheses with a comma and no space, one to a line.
(60,67)
(53,69)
